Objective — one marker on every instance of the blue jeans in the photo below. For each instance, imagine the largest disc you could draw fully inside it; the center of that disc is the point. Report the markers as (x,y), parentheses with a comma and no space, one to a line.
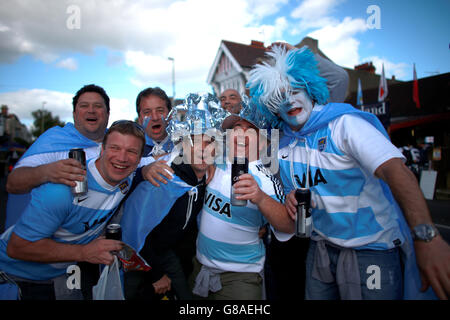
(380,274)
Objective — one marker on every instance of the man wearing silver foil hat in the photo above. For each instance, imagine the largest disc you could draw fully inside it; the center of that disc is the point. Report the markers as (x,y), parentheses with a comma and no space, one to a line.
(160,221)
(356,176)
(230,254)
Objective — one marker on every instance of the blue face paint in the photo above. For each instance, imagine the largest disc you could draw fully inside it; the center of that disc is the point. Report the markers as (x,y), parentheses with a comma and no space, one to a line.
(146,121)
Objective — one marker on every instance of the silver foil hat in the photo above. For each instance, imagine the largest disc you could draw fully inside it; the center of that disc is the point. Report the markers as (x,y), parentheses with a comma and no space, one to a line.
(199,113)
(250,113)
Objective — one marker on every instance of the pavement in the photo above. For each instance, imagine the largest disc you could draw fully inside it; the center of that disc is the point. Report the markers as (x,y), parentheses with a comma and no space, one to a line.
(440,212)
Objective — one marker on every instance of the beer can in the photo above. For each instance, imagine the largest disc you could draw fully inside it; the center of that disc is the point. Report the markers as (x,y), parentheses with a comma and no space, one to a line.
(81,187)
(303,219)
(113,232)
(238,167)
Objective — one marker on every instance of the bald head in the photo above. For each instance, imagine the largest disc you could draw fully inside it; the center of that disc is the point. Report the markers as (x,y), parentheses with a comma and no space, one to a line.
(230,100)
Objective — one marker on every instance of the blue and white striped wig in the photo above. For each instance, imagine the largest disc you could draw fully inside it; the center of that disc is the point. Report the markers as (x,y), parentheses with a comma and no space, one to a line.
(287,71)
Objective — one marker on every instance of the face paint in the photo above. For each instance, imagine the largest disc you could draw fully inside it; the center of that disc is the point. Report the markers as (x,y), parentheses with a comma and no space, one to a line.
(296,109)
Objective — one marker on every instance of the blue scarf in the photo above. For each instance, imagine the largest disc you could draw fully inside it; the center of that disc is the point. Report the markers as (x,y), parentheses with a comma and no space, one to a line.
(146,207)
(55,139)
(320,117)
(59,139)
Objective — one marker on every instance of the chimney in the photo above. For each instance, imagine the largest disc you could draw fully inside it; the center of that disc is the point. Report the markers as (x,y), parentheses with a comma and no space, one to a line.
(368,66)
(393,78)
(257,44)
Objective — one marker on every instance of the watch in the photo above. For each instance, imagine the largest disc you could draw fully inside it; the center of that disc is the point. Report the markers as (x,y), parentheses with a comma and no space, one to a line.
(424,232)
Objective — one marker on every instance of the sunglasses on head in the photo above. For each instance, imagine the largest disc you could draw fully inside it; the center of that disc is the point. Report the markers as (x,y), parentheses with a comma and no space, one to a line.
(135,124)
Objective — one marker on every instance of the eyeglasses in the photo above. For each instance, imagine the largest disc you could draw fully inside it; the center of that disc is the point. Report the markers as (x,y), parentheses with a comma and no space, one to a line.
(135,124)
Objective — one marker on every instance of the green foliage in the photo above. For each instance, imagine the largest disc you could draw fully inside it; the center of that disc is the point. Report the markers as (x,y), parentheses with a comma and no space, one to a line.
(44,120)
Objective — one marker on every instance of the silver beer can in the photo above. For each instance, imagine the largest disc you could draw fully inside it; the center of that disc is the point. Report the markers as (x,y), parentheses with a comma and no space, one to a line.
(81,188)
(303,219)
(238,167)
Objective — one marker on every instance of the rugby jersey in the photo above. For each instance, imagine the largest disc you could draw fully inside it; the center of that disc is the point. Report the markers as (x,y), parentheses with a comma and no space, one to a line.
(354,209)
(228,235)
(56,214)
(53,145)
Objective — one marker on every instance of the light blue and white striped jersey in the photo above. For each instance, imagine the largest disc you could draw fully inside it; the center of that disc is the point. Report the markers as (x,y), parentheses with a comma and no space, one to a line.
(56,214)
(353,209)
(228,235)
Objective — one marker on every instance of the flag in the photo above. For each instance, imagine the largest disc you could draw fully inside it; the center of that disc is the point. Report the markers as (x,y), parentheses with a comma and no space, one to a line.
(383,88)
(359,97)
(147,206)
(416,89)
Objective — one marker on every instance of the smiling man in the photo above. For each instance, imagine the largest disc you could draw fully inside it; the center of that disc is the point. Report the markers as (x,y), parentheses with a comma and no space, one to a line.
(160,222)
(90,115)
(230,100)
(47,158)
(57,229)
(230,254)
(358,182)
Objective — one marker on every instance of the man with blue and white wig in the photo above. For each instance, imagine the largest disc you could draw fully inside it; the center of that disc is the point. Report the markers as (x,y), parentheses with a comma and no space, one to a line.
(230,254)
(361,244)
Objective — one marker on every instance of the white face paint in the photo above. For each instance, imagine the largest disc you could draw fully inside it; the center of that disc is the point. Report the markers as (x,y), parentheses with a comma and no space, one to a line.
(296,110)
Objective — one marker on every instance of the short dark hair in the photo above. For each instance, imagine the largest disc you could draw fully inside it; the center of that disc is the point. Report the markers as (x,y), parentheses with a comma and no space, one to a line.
(91,88)
(156,91)
(126,127)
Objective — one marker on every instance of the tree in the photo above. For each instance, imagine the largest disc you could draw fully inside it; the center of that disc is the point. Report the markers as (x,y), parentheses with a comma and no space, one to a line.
(44,120)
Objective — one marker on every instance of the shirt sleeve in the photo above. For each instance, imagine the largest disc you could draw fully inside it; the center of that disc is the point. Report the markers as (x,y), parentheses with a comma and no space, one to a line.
(360,140)
(49,206)
(271,185)
(40,159)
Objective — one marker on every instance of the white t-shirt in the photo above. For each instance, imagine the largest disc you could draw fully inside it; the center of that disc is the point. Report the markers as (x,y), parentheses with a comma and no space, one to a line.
(228,235)
(49,157)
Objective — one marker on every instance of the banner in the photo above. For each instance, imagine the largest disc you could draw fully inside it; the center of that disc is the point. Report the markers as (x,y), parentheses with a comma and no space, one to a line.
(381,110)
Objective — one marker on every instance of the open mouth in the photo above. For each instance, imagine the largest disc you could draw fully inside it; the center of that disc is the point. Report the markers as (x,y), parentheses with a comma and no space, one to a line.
(156,128)
(294,112)
(91,120)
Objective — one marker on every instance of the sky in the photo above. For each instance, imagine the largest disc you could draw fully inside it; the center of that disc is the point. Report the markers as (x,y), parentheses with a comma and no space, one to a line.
(49,49)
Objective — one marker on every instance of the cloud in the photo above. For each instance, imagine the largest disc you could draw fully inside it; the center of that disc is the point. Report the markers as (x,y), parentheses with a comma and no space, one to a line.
(69,64)
(401,70)
(338,40)
(142,31)
(23,102)
(314,14)
(263,8)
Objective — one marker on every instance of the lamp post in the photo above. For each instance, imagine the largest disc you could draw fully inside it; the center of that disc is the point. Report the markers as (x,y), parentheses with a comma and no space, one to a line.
(42,116)
(173,77)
